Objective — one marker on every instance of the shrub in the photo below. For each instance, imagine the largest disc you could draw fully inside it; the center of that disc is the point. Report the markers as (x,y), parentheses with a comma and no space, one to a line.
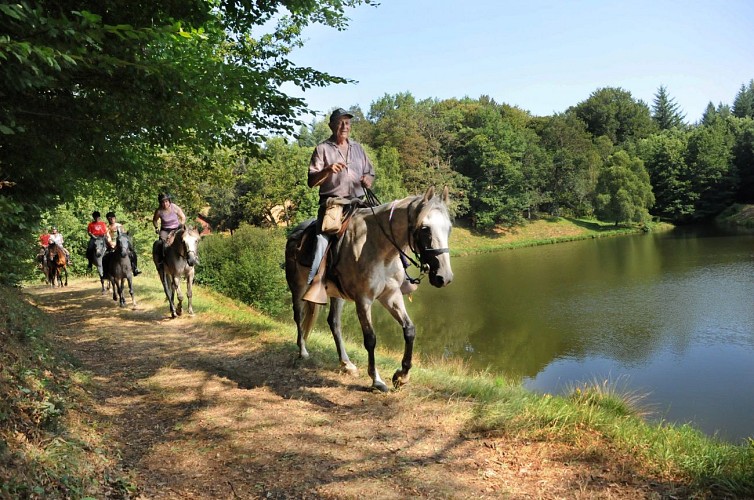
(246,266)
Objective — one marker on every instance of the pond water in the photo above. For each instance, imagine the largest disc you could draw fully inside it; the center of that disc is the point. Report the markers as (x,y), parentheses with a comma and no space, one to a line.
(669,315)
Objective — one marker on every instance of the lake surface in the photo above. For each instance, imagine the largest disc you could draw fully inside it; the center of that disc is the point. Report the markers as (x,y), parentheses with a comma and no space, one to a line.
(670,315)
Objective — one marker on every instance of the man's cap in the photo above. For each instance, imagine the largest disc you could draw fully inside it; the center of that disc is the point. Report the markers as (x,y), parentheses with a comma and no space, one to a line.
(95,214)
(110,214)
(338,114)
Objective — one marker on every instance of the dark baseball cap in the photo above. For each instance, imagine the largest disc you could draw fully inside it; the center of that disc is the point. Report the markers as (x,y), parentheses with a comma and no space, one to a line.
(338,114)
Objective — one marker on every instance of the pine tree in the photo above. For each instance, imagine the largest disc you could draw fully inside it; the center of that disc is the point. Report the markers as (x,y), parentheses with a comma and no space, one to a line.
(743,104)
(665,111)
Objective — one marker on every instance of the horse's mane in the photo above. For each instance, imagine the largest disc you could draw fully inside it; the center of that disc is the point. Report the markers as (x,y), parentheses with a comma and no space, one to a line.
(423,209)
(56,251)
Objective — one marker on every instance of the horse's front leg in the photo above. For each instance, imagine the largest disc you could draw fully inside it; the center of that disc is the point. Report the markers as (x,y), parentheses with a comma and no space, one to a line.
(189,290)
(121,299)
(177,291)
(131,291)
(333,319)
(394,303)
(364,311)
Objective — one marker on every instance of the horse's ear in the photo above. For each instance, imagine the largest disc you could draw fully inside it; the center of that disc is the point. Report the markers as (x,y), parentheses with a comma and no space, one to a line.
(446,195)
(429,194)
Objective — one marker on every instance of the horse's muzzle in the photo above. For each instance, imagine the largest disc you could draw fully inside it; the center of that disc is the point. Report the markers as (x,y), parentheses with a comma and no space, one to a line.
(440,279)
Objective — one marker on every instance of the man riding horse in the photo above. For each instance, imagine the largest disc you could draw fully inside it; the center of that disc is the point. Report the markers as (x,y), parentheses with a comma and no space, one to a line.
(341,168)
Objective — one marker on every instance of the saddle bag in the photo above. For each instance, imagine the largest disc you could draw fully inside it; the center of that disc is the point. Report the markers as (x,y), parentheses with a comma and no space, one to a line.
(333,218)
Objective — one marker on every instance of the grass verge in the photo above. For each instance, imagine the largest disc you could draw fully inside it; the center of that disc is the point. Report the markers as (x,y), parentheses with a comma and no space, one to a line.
(51,445)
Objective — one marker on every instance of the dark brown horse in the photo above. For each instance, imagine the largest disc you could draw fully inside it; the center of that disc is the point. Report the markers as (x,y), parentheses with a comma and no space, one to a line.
(57,265)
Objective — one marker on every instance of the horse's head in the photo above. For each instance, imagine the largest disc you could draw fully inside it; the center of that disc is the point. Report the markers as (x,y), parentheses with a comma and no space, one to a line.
(431,235)
(190,241)
(122,244)
(100,249)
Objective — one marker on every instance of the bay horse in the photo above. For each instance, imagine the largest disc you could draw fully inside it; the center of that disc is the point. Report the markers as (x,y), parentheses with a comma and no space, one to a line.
(117,269)
(180,257)
(368,266)
(57,265)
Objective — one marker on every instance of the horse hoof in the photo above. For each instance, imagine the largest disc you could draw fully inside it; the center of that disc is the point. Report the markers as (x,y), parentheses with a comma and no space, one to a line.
(351,369)
(400,378)
(379,386)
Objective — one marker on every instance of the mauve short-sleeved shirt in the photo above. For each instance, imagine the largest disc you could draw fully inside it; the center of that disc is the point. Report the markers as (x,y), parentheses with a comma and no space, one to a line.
(346,183)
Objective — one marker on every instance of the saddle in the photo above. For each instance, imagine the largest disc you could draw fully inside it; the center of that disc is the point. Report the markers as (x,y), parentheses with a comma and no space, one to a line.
(317,292)
(305,250)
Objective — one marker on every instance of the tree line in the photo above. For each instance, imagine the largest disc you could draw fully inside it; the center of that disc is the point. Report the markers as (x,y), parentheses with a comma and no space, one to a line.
(610,156)
(103,105)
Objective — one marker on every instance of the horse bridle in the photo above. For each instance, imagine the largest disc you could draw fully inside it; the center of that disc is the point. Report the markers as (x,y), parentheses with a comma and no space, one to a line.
(415,241)
(185,252)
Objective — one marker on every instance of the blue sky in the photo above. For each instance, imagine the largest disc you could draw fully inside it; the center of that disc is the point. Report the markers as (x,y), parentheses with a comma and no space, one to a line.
(542,56)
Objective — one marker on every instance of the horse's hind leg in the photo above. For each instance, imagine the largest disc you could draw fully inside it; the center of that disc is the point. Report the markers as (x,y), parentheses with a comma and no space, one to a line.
(364,310)
(333,319)
(169,293)
(301,332)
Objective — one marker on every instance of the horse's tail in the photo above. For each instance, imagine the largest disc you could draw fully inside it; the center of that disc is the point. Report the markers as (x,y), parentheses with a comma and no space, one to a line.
(311,311)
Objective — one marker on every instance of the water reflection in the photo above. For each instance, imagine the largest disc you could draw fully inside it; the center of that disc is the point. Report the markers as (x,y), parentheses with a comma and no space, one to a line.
(672,312)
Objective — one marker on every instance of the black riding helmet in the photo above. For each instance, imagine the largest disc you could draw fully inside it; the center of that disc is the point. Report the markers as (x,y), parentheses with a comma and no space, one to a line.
(163,196)
(96,214)
(110,214)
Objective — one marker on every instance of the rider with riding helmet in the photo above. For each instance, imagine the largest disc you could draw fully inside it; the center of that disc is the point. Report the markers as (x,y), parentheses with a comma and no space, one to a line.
(170,217)
(113,227)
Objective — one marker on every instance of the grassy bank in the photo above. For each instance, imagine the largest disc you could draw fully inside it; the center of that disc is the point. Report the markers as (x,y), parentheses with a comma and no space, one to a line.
(738,215)
(466,241)
(52,445)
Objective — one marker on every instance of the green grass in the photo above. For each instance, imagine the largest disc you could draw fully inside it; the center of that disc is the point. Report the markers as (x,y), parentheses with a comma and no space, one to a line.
(49,447)
(465,241)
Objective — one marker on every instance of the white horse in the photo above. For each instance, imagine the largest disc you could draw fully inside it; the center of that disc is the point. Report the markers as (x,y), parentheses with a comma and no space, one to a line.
(181,254)
(367,265)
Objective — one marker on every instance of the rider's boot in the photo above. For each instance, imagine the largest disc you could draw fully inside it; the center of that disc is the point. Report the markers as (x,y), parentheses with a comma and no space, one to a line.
(134,268)
(317,293)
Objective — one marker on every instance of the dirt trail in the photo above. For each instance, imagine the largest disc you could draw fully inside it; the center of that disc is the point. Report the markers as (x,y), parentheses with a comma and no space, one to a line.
(202,410)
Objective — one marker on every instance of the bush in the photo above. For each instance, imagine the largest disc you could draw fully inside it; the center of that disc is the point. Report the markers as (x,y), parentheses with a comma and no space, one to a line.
(246,266)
